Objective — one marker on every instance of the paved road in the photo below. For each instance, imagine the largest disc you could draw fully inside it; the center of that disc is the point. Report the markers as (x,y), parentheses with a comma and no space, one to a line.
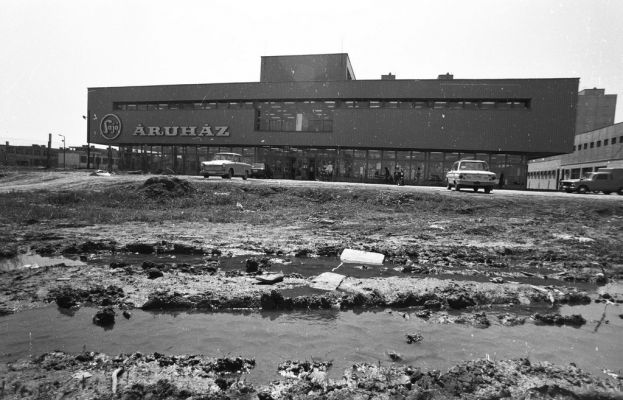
(437,189)
(68,180)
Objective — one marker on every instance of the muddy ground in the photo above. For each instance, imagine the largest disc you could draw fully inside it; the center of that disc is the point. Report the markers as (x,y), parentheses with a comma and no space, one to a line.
(453,251)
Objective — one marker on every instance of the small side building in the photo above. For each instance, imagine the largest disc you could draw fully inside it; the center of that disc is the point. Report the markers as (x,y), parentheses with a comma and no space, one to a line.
(592,150)
(598,143)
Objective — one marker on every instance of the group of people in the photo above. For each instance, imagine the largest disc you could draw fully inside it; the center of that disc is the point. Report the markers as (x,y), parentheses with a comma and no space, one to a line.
(398,177)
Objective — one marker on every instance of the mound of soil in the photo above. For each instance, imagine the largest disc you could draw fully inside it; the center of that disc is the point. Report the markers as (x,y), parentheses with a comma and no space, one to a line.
(159,376)
(159,186)
(67,296)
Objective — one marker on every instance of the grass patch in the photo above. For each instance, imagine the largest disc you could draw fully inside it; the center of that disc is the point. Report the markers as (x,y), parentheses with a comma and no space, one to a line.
(224,202)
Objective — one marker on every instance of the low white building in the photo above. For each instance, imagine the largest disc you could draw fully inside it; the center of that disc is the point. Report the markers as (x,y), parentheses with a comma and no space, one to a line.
(592,150)
(76,158)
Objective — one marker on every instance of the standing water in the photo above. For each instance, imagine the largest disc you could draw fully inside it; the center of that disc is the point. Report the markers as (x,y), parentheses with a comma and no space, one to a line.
(344,337)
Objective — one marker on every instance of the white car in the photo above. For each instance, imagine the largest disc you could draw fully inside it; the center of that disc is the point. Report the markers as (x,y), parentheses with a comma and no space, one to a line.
(473,174)
(226,165)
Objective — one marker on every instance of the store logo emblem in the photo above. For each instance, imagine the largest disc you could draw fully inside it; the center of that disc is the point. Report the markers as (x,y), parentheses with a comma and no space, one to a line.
(110,127)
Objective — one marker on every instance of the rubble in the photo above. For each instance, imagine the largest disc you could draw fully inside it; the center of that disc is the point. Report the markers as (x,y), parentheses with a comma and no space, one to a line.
(557,319)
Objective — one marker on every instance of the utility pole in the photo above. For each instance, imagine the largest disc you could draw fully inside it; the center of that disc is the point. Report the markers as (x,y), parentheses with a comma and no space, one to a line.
(88,139)
(109,159)
(49,149)
(63,136)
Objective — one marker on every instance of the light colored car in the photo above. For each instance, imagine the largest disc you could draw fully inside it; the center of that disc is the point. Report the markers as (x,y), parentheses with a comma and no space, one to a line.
(473,174)
(226,165)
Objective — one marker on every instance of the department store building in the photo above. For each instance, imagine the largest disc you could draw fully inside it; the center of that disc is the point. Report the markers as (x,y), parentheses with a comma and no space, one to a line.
(309,111)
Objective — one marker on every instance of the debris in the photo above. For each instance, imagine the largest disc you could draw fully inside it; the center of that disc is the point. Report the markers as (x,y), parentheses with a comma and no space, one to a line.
(252,265)
(257,265)
(127,314)
(82,375)
(337,266)
(328,281)
(269,279)
(414,338)
(424,314)
(154,273)
(303,369)
(432,304)
(511,320)
(394,356)
(105,317)
(557,319)
(480,320)
(549,294)
(612,374)
(497,279)
(115,373)
(360,256)
(414,268)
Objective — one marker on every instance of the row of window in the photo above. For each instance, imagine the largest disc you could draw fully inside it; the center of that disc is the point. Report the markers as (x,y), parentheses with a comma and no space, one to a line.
(454,104)
(346,164)
(542,175)
(33,151)
(316,116)
(291,116)
(574,173)
(584,146)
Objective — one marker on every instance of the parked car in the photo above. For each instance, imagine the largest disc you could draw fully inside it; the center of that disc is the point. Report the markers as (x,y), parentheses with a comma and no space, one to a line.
(473,174)
(605,180)
(261,170)
(100,172)
(226,165)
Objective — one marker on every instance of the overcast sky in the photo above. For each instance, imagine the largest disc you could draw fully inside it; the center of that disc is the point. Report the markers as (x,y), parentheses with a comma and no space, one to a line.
(52,51)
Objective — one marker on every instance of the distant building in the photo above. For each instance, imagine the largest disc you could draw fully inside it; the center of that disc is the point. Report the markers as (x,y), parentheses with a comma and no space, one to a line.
(596,110)
(592,150)
(36,156)
(27,156)
(76,158)
(308,112)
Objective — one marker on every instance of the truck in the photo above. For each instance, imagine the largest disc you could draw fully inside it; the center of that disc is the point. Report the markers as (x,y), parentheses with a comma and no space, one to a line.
(606,180)
(473,174)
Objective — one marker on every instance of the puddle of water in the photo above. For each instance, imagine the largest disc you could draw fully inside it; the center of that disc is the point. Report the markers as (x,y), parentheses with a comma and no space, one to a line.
(343,337)
(307,267)
(313,266)
(32,261)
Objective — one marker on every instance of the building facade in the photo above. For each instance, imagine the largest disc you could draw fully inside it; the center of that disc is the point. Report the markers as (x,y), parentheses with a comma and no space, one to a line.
(596,110)
(77,157)
(309,112)
(36,156)
(592,150)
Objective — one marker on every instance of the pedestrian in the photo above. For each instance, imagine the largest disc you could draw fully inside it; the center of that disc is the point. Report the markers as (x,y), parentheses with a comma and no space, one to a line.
(388,176)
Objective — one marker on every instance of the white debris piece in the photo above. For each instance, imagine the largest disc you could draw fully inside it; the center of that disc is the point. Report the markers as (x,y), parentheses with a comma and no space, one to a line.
(327,281)
(360,256)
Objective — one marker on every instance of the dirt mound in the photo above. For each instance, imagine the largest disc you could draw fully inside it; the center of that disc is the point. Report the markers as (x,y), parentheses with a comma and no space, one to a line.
(159,376)
(67,296)
(159,186)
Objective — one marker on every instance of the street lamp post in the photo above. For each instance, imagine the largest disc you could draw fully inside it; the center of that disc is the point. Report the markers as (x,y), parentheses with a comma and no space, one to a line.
(63,136)
(88,118)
